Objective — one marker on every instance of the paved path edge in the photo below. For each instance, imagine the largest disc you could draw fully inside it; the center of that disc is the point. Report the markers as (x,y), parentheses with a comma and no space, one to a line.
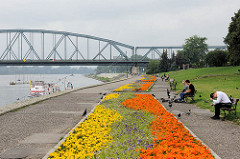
(25,103)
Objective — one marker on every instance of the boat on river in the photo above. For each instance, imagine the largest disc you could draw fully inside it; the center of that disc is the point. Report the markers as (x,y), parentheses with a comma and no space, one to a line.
(38,88)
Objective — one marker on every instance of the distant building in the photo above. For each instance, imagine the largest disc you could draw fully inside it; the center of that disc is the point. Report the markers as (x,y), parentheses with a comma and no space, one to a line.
(135,70)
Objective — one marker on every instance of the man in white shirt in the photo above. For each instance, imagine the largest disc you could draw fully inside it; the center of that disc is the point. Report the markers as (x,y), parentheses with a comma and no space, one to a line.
(219,99)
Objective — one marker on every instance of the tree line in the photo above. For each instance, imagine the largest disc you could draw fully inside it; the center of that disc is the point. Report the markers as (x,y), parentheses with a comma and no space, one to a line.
(195,52)
(119,69)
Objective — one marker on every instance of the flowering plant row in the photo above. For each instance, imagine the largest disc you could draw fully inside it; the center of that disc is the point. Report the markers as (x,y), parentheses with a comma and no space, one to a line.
(111,96)
(142,84)
(172,140)
(130,134)
(146,83)
(149,79)
(124,87)
(88,137)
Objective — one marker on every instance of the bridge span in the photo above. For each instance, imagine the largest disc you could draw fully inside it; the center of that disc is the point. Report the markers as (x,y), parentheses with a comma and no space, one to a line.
(74,63)
(49,47)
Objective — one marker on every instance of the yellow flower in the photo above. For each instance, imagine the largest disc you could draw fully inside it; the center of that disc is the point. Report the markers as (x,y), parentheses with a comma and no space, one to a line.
(111,96)
(127,86)
(90,136)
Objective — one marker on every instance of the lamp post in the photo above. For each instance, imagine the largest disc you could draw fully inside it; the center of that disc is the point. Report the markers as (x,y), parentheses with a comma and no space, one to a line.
(127,65)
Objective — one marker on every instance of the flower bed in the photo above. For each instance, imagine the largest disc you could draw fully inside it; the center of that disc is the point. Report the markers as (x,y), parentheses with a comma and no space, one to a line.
(102,136)
(88,137)
(172,140)
(124,87)
(143,84)
(111,96)
(130,134)
(150,79)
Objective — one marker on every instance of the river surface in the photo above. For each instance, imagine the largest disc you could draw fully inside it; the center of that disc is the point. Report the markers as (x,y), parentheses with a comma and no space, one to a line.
(13,93)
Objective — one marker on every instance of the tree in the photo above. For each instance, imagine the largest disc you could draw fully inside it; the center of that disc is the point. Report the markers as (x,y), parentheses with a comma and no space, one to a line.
(194,49)
(153,67)
(233,39)
(180,58)
(172,62)
(163,65)
(216,58)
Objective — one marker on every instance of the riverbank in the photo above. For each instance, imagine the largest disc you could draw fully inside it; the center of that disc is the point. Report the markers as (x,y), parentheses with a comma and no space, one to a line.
(10,94)
(18,105)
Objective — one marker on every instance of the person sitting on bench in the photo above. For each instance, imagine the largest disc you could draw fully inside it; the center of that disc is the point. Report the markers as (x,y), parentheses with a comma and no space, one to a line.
(221,100)
(190,91)
(163,76)
(167,77)
(185,87)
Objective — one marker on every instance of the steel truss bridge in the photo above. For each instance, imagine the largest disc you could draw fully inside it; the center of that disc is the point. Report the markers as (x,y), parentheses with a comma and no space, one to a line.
(48,47)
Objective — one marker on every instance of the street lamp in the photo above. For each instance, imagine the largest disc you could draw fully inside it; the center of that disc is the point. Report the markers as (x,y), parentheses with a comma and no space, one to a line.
(127,64)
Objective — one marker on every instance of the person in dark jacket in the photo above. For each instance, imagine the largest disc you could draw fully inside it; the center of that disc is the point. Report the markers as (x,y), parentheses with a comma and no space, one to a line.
(190,91)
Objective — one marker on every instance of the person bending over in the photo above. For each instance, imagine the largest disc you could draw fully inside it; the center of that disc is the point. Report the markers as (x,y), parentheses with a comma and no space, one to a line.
(190,91)
(219,99)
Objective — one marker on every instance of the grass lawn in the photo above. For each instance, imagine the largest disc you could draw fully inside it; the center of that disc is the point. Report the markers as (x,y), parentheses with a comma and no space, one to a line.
(104,79)
(208,80)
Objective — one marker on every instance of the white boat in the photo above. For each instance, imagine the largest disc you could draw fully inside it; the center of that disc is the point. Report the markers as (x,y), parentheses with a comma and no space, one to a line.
(37,88)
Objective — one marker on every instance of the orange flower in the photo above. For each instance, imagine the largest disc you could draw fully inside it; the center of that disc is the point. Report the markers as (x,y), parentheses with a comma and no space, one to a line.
(172,140)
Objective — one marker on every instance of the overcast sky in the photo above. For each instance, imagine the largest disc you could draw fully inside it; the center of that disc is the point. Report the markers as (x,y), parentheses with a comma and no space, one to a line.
(134,22)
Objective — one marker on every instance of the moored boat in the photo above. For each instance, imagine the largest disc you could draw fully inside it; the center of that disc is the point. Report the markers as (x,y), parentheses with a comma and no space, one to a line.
(37,88)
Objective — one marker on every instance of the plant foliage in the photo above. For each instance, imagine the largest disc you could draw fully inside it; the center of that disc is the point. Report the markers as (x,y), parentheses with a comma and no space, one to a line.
(233,39)
(194,49)
(216,58)
(163,65)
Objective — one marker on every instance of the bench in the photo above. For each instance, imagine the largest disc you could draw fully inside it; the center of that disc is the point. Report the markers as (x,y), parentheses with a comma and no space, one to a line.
(230,109)
(189,98)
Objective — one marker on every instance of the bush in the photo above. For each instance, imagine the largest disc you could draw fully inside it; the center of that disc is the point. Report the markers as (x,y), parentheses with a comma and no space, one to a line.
(217,58)
(153,67)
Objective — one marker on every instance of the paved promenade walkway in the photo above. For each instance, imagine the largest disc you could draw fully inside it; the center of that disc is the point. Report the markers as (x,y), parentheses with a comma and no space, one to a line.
(223,137)
(32,131)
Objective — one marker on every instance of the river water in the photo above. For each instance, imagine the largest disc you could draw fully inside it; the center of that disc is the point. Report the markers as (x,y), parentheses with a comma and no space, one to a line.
(13,93)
